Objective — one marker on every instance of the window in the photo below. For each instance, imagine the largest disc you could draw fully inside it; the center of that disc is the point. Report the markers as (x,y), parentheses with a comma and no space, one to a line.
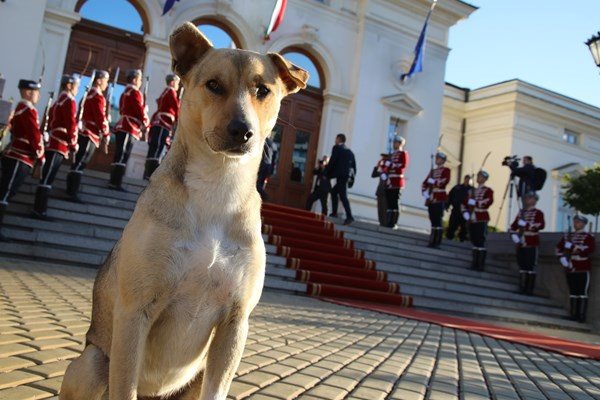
(571,137)
(395,127)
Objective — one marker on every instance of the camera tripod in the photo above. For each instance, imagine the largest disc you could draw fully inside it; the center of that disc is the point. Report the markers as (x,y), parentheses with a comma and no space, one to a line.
(510,188)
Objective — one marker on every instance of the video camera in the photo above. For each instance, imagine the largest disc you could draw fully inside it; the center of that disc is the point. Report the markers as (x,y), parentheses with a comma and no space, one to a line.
(511,161)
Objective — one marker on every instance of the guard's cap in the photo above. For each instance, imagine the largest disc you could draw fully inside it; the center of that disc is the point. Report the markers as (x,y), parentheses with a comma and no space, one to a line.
(580,218)
(69,78)
(441,155)
(170,78)
(132,73)
(484,174)
(531,194)
(27,84)
(101,74)
(400,139)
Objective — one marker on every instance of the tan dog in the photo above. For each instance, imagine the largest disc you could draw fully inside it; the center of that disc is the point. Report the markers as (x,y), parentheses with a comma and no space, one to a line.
(172,301)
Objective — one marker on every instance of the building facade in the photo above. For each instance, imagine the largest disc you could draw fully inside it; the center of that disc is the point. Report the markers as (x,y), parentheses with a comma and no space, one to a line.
(359,47)
(517,118)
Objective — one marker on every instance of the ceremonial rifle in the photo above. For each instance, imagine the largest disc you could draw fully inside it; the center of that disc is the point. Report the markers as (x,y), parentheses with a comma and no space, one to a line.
(472,191)
(145,135)
(109,95)
(567,238)
(46,119)
(429,186)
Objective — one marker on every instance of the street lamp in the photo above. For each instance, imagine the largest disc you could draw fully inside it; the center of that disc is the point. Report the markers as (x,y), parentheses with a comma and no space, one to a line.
(594,44)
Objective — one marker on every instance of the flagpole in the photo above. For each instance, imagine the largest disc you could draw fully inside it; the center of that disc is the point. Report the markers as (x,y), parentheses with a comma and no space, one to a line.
(419,48)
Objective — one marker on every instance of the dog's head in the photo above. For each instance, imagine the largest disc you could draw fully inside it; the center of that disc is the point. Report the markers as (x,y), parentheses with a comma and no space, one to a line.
(232,97)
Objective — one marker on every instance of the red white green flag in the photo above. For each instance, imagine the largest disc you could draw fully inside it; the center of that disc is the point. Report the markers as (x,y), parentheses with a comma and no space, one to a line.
(276,17)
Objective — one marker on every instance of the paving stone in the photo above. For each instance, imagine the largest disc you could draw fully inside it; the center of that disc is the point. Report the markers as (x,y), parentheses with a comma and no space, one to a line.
(258,378)
(281,390)
(12,363)
(24,393)
(241,390)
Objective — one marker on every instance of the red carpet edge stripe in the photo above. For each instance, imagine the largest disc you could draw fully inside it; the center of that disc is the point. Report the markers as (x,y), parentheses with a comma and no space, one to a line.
(557,345)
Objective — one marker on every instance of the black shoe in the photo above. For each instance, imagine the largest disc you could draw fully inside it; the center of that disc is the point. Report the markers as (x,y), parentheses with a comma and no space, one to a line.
(348,221)
(3,238)
(75,199)
(332,215)
(40,216)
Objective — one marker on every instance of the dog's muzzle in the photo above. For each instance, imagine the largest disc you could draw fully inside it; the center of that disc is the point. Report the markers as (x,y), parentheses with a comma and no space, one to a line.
(239,131)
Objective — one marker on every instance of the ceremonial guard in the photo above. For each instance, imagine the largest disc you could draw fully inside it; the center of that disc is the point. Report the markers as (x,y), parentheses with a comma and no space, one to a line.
(26,146)
(393,176)
(131,125)
(475,213)
(322,187)
(574,252)
(525,234)
(162,125)
(62,130)
(94,130)
(380,191)
(434,192)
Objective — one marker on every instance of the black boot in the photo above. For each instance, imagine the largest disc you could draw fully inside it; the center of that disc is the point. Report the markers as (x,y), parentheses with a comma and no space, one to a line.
(530,284)
(438,236)
(389,218)
(116,178)
(73,184)
(40,204)
(573,308)
(475,261)
(151,166)
(481,259)
(582,309)
(2,211)
(432,237)
(396,217)
(523,282)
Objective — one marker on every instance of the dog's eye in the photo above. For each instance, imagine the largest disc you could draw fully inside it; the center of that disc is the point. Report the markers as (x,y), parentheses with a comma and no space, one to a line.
(262,91)
(215,87)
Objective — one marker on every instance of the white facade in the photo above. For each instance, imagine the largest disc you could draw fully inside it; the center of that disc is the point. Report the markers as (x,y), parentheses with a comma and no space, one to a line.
(516,117)
(362,47)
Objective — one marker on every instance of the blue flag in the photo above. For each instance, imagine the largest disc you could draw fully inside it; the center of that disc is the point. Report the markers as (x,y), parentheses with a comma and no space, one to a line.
(168,5)
(417,64)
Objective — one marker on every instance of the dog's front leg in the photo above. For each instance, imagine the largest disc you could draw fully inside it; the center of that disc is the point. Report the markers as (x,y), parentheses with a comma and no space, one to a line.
(224,357)
(130,330)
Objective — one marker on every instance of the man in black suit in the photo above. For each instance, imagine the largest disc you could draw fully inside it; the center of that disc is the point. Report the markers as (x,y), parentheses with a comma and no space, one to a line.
(342,168)
(526,175)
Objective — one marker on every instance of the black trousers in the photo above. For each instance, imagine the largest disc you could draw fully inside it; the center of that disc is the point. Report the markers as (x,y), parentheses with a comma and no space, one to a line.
(340,189)
(84,154)
(436,212)
(157,140)
(124,145)
(381,203)
(527,259)
(14,173)
(579,283)
(318,194)
(478,233)
(392,197)
(457,222)
(51,166)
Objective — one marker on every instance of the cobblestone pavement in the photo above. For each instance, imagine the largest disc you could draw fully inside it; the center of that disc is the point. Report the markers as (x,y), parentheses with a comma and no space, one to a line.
(297,347)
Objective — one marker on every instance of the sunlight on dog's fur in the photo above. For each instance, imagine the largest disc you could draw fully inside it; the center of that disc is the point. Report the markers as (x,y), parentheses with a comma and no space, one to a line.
(172,301)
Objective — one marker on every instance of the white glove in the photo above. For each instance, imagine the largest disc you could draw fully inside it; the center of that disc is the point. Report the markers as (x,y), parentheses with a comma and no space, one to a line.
(46,137)
(472,202)
(515,238)
(466,216)
(431,181)
(80,125)
(564,262)
(568,245)
(522,223)
(388,163)
(426,194)
(384,177)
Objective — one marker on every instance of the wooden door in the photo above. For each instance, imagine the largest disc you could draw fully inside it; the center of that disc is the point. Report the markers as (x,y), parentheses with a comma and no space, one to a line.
(296,137)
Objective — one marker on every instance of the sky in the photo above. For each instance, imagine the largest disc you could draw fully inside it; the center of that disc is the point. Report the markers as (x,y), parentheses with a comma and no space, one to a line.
(537,41)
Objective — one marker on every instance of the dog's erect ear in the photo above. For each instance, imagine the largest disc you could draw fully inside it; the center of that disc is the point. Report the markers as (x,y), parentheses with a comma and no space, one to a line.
(293,77)
(187,45)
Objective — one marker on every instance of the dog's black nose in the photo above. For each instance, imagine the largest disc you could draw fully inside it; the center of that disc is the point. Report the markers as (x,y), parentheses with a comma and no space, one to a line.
(240,130)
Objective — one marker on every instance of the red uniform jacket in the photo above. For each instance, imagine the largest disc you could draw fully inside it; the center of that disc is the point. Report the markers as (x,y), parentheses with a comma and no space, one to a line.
(483,197)
(534,222)
(168,109)
(27,144)
(441,176)
(62,125)
(133,113)
(584,245)
(94,122)
(394,169)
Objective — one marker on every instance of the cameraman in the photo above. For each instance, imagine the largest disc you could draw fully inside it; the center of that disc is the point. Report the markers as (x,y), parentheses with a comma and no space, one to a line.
(526,175)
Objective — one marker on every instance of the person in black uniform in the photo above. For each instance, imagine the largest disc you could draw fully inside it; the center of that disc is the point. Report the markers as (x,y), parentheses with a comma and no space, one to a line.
(526,175)
(342,166)
(265,168)
(456,198)
(322,187)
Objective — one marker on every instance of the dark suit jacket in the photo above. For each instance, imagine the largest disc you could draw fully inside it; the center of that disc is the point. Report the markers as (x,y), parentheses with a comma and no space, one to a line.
(341,162)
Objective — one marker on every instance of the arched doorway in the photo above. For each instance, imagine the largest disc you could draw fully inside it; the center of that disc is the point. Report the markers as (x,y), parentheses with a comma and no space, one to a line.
(218,32)
(296,136)
(107,37)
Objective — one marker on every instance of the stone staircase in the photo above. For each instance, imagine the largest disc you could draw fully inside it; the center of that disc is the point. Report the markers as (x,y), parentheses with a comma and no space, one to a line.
(438,280)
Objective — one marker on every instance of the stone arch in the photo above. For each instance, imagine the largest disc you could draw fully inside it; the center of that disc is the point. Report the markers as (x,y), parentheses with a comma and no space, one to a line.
(318,53)
(222,24)
(139,6)
(313,59)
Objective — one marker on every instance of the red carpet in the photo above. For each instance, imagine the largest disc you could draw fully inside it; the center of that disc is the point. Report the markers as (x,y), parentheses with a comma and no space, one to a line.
(329,264)
(558,345)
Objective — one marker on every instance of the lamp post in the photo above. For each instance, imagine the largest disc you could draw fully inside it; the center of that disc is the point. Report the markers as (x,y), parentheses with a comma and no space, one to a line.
(594,44)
